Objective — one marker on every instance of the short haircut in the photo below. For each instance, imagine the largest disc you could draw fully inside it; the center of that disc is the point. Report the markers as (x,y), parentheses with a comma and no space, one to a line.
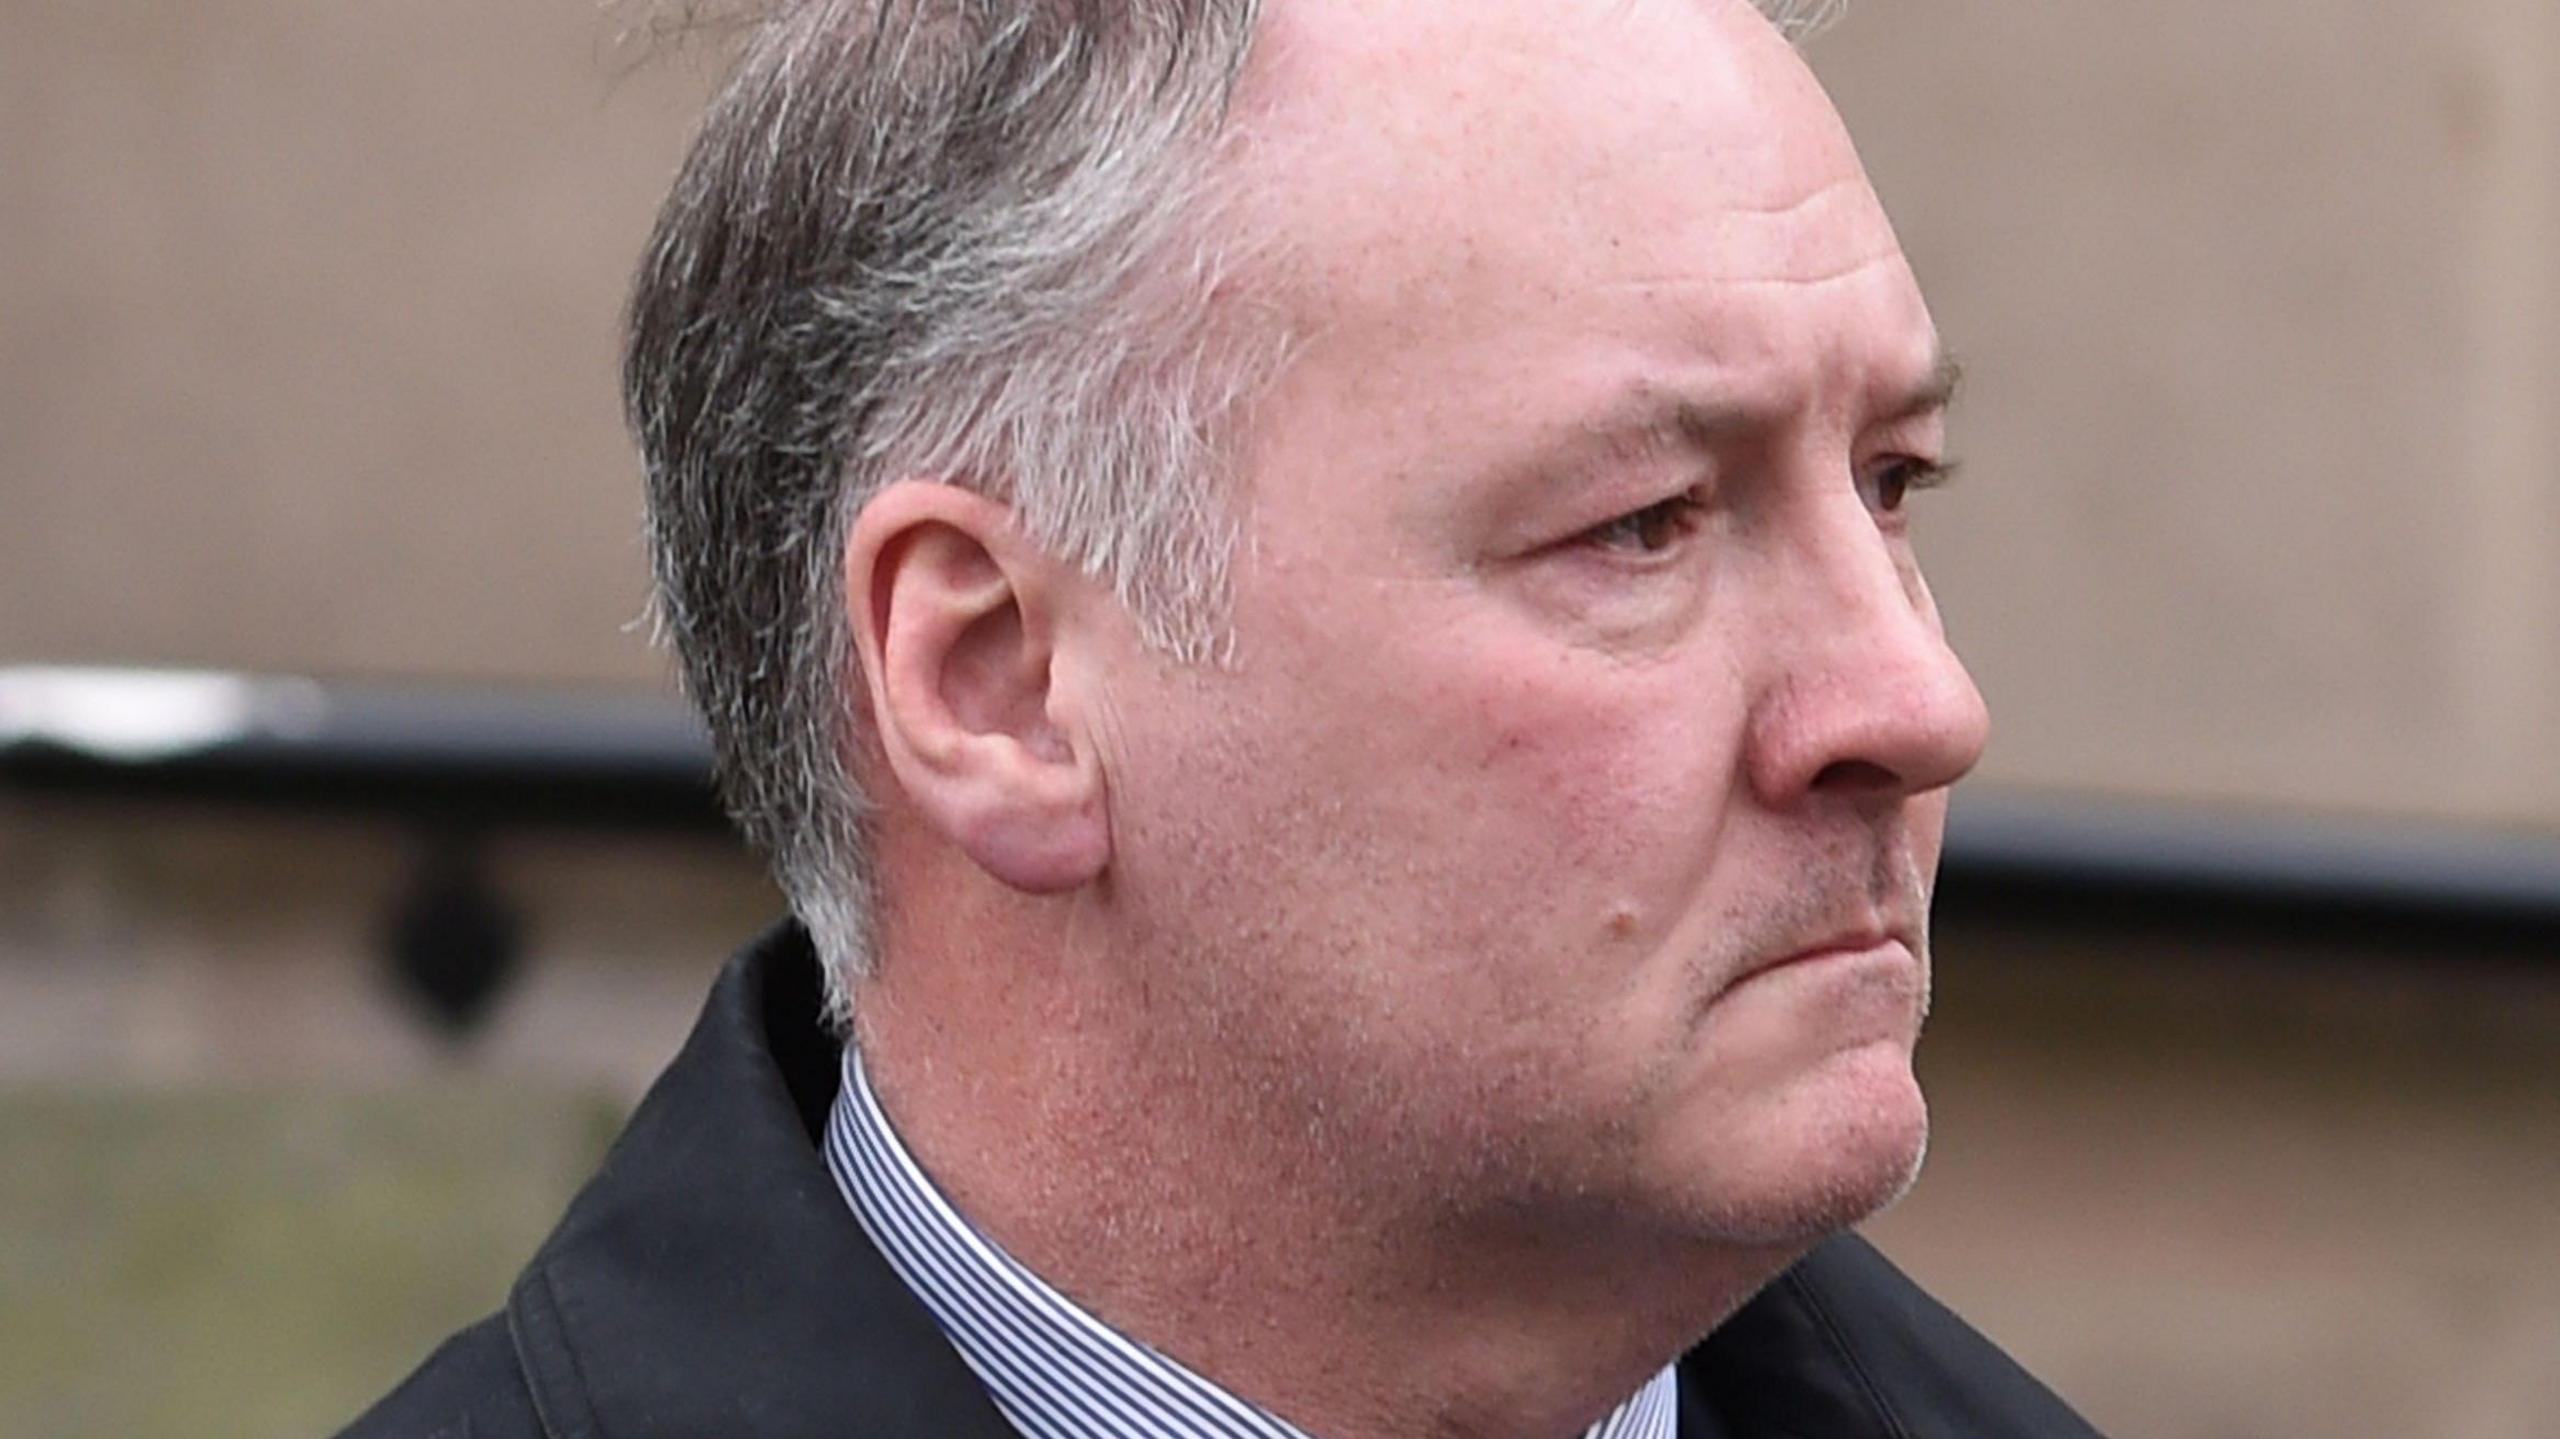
(968,240)
(971,240)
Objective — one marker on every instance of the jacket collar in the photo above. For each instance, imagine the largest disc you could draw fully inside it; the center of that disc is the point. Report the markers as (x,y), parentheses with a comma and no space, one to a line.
(710,1280)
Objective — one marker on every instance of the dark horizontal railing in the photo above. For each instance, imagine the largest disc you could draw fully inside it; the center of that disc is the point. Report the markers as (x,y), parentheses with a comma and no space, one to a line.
(437,753)
(466,759)
(2364,882)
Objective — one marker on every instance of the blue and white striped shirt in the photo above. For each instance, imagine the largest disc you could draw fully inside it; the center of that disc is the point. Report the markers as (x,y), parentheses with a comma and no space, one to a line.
(1055,1371)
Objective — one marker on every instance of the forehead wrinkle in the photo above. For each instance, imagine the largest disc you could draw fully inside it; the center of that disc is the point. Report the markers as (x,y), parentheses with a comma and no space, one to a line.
(1851,269)
(1850,180)
(1836,228)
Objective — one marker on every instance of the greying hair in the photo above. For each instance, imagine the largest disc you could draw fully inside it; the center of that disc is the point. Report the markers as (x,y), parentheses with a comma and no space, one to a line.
(974,240)
(1798,20)
(965,239)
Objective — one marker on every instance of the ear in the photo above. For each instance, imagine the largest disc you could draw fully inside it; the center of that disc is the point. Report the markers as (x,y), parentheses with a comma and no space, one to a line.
(956,615)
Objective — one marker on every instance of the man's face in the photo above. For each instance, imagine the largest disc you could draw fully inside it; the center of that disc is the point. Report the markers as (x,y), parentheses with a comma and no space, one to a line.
(1584,672)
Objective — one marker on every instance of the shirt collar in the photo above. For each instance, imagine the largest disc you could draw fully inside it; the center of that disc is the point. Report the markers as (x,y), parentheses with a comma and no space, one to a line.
(1056,1371)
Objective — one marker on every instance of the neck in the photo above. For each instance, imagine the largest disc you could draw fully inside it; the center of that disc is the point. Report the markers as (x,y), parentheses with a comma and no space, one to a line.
(1197,1206)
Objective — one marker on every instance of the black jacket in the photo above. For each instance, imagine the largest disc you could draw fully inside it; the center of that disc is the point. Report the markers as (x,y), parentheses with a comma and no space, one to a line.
(711,1283)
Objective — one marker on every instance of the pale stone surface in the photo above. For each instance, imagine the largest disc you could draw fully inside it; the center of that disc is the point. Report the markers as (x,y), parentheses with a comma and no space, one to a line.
(309,353)
(2259,303)
(2210,1188)
(182,947)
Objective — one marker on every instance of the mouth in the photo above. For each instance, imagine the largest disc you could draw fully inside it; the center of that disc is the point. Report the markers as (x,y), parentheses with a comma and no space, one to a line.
(1867,945)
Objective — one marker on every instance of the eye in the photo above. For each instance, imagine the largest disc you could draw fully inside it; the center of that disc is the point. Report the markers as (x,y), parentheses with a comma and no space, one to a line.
(1888,486)
(1649,531)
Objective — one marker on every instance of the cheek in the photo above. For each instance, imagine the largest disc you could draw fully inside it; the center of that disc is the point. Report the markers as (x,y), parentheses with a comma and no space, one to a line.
(1423,871)
(1617,770)
(1534,793)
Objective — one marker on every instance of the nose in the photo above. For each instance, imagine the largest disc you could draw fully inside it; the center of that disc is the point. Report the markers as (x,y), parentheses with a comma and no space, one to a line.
(1865,701)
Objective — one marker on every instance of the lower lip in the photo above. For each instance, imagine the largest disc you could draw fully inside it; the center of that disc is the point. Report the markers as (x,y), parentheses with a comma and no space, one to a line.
(1885,951)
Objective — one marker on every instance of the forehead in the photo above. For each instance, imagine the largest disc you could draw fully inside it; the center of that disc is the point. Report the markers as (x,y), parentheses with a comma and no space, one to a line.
(1479,160)
(1498,73)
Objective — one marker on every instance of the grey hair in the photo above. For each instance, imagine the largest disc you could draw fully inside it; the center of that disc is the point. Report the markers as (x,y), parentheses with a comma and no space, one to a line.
(1800,20)
(965,239)
(969,239)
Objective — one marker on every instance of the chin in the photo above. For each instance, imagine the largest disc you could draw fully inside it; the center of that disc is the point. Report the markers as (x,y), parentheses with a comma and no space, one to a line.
(1837,1149)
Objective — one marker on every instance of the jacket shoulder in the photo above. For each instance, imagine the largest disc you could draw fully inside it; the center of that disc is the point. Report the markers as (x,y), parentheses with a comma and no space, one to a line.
(1844,1344)
(470,1388)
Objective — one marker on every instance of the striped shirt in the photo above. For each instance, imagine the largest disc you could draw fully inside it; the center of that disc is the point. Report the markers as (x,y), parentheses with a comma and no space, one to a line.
(1055,1371)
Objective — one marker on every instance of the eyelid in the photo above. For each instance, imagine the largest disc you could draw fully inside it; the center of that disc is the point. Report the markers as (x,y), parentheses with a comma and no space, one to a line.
(1914,473)
(1682,509)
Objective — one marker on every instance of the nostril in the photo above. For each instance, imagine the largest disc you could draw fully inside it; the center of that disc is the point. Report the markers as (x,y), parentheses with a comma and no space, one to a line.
(1855,775)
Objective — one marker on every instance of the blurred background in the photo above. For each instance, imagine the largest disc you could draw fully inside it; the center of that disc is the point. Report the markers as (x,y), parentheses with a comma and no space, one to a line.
(319,995)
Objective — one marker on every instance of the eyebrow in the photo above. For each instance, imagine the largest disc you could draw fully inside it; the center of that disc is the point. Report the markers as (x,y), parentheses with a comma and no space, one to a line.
(1930,396)
(1659,423)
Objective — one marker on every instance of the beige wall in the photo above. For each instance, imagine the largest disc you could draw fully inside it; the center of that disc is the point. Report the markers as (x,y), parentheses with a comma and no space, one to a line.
(307,360)
(2265,486)
(309,315)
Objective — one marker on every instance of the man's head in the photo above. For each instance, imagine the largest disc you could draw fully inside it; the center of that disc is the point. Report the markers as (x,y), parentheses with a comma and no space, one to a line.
(1551,839)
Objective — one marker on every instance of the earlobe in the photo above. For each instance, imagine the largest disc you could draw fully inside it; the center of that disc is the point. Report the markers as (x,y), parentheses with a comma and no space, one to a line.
(958,618)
